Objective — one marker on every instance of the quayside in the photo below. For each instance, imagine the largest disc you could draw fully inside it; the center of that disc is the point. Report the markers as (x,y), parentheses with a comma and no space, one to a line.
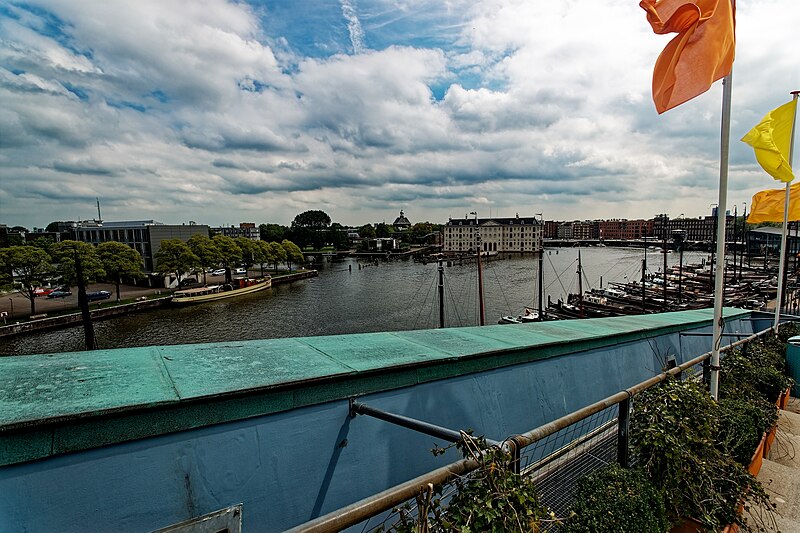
(142,438)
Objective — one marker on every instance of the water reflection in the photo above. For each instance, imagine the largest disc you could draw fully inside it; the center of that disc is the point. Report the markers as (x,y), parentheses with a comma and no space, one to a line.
(399,295)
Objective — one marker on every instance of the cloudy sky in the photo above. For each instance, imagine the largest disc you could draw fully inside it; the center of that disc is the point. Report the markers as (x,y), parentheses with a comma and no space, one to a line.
(223,112)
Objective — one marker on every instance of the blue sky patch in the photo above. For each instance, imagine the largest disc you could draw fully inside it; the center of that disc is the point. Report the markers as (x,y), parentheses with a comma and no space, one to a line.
(122,104)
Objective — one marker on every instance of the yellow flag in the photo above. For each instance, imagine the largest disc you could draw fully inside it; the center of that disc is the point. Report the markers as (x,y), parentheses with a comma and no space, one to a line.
(771,139)
(767,205)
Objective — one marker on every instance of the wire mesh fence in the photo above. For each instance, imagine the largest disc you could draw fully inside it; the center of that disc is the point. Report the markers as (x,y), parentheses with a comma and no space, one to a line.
(556,463)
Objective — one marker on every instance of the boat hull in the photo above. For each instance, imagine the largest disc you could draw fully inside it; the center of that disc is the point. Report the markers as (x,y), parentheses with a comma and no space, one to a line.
(260,286)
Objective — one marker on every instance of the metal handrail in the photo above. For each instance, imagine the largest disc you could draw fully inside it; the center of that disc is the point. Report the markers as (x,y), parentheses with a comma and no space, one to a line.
(371,506)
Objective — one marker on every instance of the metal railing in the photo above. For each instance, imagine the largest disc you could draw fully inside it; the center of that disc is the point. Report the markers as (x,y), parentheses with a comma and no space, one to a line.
(557,454)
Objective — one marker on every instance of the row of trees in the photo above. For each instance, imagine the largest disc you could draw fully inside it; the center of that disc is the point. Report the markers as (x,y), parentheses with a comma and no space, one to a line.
(202,252)
(314,228)
(31,265)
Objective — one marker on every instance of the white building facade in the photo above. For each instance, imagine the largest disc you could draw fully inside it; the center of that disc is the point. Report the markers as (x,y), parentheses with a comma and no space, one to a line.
(501,235)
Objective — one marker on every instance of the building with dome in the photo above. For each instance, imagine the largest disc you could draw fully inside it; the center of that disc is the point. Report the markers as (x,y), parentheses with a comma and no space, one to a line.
(401,223)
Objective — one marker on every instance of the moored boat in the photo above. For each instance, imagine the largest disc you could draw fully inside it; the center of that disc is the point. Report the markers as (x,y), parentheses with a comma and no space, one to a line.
(530,315)
(218,292)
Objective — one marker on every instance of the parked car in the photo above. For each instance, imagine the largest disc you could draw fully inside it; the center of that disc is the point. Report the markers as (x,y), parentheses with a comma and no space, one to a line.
(240,271)
(189,283)
(97,295)
(218,272)
(59,294)
(42,291)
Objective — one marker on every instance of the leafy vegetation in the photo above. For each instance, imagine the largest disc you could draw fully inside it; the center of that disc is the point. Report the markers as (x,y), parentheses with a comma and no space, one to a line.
(30,264)
(675,429)
(492,498)
(176,257)
(761,369)
(119,260)
(293,253)
(619,500)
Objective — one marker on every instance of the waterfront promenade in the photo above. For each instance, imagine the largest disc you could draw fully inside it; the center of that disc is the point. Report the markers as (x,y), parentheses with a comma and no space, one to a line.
(19,307)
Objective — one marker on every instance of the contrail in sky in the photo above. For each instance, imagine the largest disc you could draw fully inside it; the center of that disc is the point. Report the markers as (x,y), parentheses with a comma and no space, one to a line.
(353,25)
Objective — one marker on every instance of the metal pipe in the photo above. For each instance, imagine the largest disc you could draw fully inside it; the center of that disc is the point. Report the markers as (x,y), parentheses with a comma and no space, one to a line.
(623,432)
(710,334)
(782,252)
(378,503)
(721,221)
(373,505)
(450,435)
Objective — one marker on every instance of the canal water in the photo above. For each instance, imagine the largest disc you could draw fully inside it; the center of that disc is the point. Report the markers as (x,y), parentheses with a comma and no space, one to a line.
(353,296)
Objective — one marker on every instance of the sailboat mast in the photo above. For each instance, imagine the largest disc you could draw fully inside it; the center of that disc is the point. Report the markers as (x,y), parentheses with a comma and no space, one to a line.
(580,284)
(541,280)
(644,270)
(441,293)
(480,285)
(735,237)
(664,251)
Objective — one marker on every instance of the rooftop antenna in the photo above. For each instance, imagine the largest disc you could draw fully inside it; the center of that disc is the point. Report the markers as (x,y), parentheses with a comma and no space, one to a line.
(99,218)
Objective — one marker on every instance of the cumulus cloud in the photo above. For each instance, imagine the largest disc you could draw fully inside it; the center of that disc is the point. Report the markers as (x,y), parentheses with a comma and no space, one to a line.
(195,110)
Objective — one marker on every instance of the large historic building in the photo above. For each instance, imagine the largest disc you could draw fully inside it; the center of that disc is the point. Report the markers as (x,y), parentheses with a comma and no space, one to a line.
(518,234)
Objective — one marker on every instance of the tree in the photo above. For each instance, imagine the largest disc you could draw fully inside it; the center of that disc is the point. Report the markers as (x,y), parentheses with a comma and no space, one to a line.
(206,251)
(261,254)
(421,230)
(247,246)
(367,231)
(30,265)
(64,254)
(337,236)
(119,260)
(230,253)
(383,230)
(310,226)
(273,232)
(44,243)
(277,253)
(293,253)
(175,256)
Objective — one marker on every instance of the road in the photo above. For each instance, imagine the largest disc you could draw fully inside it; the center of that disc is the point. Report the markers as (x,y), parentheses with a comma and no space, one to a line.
(18,306)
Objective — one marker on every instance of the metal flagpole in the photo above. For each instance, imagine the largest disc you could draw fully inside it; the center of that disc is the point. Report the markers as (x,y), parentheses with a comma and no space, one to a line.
(781,254)
(721,226)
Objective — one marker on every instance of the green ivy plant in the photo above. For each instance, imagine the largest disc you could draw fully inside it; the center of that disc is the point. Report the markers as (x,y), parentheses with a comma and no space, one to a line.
(492,498)
(742,423)
(674,431)
(762,368)
(617,499)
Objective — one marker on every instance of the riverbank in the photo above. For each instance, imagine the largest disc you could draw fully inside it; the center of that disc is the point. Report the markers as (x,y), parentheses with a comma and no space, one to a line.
(147,299)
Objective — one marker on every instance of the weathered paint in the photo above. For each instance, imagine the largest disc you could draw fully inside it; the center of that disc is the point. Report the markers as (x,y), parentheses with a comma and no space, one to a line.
(266,422)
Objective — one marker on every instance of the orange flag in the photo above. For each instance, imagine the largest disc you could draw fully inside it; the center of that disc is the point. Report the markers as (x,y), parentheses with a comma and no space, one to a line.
(699,55)
(768,205)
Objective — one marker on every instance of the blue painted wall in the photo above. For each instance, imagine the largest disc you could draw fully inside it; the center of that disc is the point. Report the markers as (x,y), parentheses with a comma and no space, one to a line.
(290,467)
